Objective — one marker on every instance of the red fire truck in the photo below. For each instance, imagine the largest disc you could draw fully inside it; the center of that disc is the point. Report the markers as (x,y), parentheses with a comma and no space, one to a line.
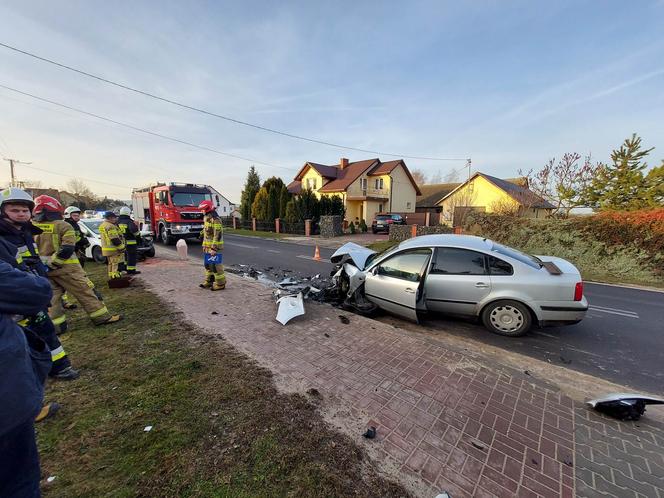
(170,209)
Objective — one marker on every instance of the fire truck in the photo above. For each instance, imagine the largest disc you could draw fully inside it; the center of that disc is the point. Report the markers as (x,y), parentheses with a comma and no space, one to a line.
(170,210)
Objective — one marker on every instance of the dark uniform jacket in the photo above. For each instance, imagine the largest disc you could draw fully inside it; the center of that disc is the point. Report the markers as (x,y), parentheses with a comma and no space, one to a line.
(82,241)
(129,230)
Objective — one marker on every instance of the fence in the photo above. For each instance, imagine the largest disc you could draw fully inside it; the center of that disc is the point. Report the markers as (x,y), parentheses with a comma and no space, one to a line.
(404,232)
(292,228)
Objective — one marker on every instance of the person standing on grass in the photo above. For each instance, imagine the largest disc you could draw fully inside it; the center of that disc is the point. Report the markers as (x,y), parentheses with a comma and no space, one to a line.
(25,361)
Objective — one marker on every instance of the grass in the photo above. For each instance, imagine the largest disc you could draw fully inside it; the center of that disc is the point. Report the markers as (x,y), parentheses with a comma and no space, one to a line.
(382,245)
(257,233)
(220,428)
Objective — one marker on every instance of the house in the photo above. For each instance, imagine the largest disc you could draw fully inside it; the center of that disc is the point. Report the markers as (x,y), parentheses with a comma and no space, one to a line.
(432,194)
(366,187)
(485,193)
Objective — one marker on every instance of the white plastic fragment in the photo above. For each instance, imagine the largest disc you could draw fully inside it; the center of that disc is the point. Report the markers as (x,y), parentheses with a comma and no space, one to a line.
(148,428)
(51,478)
(289,308)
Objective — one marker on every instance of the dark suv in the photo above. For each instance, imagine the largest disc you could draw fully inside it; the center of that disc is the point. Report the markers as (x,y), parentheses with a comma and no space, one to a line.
(383,221)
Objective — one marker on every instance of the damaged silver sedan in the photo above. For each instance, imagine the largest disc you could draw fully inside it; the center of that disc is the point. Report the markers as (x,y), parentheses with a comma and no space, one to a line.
(462,275)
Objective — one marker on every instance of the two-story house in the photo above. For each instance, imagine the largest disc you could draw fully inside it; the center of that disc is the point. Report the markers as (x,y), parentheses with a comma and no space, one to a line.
(366,187)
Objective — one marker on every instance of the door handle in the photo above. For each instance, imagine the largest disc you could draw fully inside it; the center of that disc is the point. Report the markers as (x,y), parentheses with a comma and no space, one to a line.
(409,290)
(481,285)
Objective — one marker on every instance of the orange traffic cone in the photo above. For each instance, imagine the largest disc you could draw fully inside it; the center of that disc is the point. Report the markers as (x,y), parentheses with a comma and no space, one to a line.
(317,254)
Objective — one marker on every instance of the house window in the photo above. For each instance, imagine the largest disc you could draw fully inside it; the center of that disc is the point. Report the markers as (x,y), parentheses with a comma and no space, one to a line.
(380,208)
(408,204)
(311,183)
(376,184)
(363,183)
(224,209)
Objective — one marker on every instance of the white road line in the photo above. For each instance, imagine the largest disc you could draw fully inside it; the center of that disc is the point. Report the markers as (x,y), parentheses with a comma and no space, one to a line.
(628,314)
(274,250)
(610,309)
(241,245)
(584,352)
(311,258)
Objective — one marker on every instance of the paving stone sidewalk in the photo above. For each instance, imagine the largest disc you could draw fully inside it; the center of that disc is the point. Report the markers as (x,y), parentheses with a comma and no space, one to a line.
(445,422)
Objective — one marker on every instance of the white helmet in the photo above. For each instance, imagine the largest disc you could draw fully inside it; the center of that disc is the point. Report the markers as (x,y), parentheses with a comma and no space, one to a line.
(16,195)
(125,211)
(70,210)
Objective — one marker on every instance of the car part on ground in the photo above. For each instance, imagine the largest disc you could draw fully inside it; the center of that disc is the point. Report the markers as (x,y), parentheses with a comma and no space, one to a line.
(289,308)
(624,406)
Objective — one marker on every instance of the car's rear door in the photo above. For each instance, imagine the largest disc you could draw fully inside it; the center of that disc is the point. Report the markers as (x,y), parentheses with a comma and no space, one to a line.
(395,283)
(457,281)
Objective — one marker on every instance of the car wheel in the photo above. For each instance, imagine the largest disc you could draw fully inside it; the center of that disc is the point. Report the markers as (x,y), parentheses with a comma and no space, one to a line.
(97,255)
(150,252)
(508,318)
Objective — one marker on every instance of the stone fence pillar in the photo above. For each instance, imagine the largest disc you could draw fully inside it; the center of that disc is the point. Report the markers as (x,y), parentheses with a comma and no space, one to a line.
(307,228)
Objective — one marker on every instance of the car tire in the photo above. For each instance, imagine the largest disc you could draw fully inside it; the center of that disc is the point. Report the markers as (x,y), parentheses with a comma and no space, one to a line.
(150,252)
(97,255)
(508,318)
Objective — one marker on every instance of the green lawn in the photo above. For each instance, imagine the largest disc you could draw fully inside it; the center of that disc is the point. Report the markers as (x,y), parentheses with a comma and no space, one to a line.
(220,428)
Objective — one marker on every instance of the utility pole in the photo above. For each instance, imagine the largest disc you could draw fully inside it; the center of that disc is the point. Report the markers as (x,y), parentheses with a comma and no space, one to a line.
(12,163)
(468,165)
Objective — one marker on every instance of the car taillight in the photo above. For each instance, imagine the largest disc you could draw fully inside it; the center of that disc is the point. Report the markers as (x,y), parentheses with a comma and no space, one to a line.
(578,291)
(389,222)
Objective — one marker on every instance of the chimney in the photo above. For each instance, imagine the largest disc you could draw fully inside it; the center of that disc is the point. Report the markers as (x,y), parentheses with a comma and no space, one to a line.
(343,162)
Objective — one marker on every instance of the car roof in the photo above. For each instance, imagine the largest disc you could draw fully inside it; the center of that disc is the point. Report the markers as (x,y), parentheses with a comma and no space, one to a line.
(464,241)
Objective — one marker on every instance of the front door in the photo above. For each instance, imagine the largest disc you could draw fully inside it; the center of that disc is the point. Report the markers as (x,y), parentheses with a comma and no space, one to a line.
(395,284)
(457,281)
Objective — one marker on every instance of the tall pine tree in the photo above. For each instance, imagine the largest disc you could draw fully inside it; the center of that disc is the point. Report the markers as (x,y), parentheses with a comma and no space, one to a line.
(251,187)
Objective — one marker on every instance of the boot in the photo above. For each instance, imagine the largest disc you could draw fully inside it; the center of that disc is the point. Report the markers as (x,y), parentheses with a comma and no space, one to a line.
(48,410)
(66,374)
(217,286)
(113,319)
(205,285)
(133,272)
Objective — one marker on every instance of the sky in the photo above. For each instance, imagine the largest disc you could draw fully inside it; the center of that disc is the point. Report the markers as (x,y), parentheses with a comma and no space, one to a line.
(509,84)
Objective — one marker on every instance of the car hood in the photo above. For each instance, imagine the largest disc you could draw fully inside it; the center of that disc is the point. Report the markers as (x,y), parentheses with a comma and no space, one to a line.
(564,265)
(357,253)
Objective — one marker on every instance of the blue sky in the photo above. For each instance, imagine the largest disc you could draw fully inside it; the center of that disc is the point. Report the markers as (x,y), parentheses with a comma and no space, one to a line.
(508,83)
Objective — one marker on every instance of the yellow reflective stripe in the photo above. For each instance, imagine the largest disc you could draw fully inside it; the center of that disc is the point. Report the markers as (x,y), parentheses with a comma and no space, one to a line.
(58,353)
(44,227)
(70,261)
(113,248)
(131,242)
(90,283)
(99,312)
(23,322)
(59,320)
(69,233)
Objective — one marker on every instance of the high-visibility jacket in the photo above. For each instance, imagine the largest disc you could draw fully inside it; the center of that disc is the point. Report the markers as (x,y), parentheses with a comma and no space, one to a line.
(213,232)
(56,243)
(129,230)
(112,242)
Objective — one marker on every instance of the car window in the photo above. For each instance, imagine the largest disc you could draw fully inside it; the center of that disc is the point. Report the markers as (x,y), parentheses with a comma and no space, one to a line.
(396,217)
(524,258)
(93,225)
(382,217)
(499,267)
(454,261)
(406,265)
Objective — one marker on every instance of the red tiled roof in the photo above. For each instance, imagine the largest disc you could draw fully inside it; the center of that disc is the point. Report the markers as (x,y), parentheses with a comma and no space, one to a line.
(294,187)
(329,172)
(385,168)
(348,175)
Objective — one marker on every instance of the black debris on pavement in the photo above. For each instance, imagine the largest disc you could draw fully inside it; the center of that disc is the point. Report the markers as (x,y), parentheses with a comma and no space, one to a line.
(214,313)
(370,433)
(344,319)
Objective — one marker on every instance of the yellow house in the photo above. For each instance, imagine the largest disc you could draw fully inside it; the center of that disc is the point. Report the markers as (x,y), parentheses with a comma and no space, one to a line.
(366,187)
(489,194)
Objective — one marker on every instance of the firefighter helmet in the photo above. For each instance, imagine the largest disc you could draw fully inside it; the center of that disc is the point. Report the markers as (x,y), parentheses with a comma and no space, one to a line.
(110,214)
(70,210)
(15,195)
(125,211)
(206,206)
(47,203)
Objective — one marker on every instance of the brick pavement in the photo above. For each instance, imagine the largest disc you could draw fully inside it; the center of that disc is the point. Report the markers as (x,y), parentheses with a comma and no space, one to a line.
(445,422)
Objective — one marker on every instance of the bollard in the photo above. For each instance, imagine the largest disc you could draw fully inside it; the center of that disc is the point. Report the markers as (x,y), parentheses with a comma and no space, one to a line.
(182,249)
(253,224)
(413,230)
(234,222)
(458,230)
(277,224)
(307,228)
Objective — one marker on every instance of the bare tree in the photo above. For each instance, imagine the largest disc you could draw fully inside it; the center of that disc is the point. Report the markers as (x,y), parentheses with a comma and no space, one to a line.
(79,188)
(418,175)
(563,183)
(458,206)
(452,177)
(435,178)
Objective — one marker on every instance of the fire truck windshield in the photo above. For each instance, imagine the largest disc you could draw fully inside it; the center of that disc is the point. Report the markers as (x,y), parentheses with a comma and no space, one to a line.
(189,198)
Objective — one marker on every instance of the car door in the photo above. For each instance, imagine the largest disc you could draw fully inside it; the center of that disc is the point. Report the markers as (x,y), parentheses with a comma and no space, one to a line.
(395,283)
(457,280)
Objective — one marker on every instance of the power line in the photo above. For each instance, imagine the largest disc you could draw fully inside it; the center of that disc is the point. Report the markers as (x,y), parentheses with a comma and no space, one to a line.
(221,116)
(142,130)
(75,176)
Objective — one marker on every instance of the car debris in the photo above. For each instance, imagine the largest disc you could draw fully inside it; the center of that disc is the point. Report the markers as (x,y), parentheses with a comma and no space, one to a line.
(148,428)
(287,282)
(344,319)
(289,308)
(370,433)
(624,406)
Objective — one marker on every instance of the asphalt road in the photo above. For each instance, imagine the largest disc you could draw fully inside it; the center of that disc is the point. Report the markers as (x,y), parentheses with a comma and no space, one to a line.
(620,340)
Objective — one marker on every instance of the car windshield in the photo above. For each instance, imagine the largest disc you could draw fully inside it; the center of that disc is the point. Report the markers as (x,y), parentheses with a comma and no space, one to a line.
(527,259)
(383,217)
(189,198)
(93,225)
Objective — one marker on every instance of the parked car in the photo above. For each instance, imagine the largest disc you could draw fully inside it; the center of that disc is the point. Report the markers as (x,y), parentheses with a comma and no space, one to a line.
(462,275)
(383,221)
(90,228)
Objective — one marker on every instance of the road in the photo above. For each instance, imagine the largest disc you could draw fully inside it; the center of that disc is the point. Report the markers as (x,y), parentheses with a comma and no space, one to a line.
(620,340)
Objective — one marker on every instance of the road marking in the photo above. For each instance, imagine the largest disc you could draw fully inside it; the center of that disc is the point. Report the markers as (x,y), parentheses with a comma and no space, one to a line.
(241,245)
(311,258)
(614,311)
(583,351)
(274,250)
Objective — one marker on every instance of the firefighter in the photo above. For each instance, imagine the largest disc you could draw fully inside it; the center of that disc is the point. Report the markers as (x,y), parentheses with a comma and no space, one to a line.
(15,228)
(213,244)
(112,245)
(132,237)
(72,215)
(56,245)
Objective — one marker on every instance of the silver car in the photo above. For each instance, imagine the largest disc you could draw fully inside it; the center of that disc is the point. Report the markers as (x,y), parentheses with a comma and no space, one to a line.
(463,275)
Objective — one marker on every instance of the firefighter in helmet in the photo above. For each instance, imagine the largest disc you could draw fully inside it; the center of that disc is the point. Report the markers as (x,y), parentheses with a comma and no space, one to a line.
(213,243)
(72,216)
(57,246)
(112,244)
(16,207)
(132,237)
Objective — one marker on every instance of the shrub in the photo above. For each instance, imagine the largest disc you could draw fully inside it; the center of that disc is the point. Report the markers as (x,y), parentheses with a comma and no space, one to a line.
(352,228)
(363,226)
